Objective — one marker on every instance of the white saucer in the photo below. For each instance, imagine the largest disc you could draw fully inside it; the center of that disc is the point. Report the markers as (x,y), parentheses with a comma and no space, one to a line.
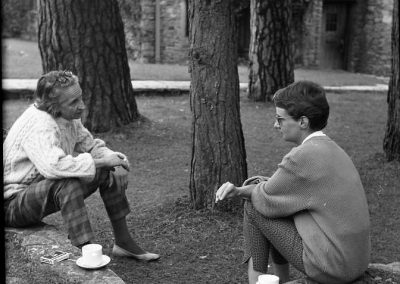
(105,261)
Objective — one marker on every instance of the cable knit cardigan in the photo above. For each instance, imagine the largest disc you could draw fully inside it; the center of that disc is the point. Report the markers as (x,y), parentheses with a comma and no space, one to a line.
(319,186)
(39,145)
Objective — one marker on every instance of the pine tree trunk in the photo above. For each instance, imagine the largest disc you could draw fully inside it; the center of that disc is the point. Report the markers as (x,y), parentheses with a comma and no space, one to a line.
(218,151)
(391,143)
(270,52)
(87,38)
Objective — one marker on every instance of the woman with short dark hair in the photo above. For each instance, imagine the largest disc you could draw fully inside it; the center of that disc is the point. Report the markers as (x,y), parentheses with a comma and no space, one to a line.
(312,212)
(304,98)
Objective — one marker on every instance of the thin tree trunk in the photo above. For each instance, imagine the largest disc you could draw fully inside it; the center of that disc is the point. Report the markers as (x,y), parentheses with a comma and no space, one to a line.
(87,38)
(270,52)
(218,152)
(391,143)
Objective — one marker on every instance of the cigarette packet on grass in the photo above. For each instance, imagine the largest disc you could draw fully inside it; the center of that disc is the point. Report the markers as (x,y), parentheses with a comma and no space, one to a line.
(54,257)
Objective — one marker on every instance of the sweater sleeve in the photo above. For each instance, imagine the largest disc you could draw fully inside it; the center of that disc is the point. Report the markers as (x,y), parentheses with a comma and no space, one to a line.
(286,192)
(43,148)
(87,144)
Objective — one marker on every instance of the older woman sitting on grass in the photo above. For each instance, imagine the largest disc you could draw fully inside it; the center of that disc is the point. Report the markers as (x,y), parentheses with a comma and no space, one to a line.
(313,211)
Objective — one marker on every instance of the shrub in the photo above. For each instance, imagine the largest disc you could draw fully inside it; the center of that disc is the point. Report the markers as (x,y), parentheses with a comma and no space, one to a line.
(14,16)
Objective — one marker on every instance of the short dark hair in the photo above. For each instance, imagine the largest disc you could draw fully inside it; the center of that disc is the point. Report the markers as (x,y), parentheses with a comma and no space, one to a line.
(304,98)
(46,95)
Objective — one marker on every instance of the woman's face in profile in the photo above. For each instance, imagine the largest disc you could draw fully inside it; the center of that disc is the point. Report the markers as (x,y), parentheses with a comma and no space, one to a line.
(289,127)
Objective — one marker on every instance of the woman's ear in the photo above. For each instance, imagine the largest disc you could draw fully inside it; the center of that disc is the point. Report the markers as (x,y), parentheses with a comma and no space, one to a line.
(304,122)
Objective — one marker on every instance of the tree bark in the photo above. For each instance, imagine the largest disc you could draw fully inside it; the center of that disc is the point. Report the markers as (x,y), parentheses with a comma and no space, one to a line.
(270,53)
(391,143)
(87,38)
(218,151)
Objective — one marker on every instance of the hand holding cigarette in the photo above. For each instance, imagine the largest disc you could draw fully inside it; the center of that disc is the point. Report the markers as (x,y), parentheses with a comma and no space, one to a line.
(227,190)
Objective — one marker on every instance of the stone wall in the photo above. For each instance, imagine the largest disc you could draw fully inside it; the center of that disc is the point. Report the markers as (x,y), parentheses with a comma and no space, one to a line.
(372,48)
(140,29)
(355,37)
(312,22)
(174,37)
(147,32)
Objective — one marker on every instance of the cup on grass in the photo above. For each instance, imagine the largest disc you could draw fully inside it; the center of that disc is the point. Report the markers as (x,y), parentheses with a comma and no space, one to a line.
(268,279)
(92,254)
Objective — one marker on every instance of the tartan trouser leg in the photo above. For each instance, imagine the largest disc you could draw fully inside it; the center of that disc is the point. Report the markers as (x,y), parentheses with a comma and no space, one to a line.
(114,199)
(45,197)
(276,235)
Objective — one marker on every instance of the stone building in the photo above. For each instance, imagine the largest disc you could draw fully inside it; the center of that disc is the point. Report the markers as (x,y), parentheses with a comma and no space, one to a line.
(158,29)
(353,35)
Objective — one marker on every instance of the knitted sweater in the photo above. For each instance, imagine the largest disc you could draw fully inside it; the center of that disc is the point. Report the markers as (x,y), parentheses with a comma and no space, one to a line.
(319,186)
(40,145)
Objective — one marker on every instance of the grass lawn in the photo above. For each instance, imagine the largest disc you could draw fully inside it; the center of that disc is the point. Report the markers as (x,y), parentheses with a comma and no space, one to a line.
(21,60)
(204,246)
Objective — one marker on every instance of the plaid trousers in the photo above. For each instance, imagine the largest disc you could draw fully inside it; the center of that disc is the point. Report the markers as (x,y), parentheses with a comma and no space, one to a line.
(263,235)
(44,197)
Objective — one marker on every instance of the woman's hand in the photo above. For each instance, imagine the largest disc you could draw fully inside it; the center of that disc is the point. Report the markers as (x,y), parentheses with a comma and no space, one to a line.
(227,190)
(113,160)
(125,159)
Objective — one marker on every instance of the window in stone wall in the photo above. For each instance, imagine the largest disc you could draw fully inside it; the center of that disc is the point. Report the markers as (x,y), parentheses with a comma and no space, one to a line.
(331,22)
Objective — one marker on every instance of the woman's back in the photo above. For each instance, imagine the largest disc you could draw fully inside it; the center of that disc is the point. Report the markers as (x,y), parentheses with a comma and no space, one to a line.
(318,184)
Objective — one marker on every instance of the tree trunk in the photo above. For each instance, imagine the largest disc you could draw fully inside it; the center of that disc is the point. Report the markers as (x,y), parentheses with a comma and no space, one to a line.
(270,52)
(87,38)
(391,143)
(218,151)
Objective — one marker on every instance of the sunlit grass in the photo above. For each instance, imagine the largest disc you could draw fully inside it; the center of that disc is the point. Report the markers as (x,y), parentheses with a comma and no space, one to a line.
(21,60)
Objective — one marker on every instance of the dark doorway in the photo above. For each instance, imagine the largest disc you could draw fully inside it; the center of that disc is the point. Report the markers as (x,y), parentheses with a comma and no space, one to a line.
(333,37)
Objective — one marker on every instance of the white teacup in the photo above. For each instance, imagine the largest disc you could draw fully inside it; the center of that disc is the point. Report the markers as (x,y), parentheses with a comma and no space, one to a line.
(92,254)
(268,279)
